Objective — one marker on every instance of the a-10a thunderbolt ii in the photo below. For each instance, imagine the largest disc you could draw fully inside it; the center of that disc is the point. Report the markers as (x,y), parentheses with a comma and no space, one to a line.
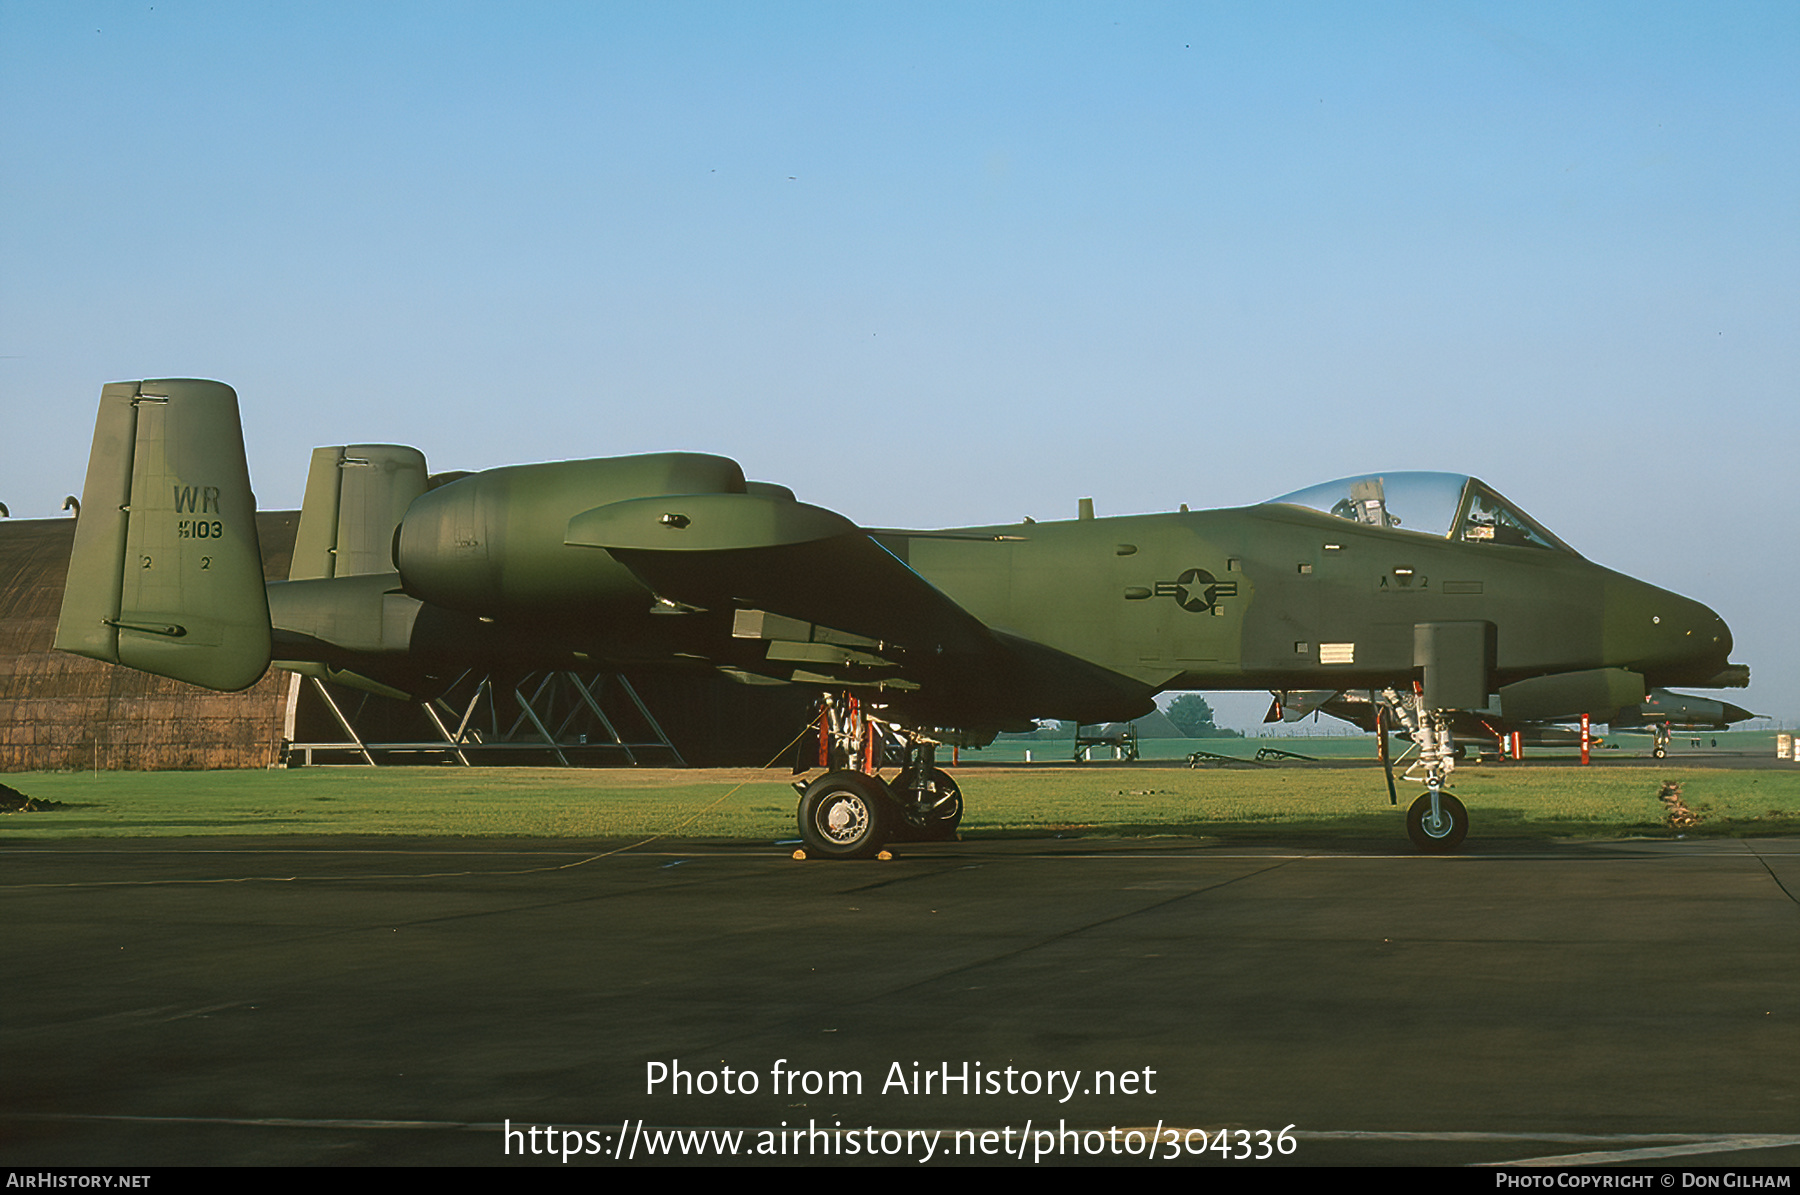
(1428,589)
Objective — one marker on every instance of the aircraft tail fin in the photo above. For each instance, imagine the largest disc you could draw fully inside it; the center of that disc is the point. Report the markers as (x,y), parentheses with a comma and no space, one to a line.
(166,575)
(342,589)
(355,497)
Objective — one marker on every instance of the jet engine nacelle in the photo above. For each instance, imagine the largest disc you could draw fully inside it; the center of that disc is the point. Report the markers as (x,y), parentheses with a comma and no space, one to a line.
(493,544)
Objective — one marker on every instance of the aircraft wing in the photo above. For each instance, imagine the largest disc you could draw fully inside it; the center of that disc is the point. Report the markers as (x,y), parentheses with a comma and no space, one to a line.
(835,607)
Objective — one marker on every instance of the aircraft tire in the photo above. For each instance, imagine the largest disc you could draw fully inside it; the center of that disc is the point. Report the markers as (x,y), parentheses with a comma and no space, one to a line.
(1659,751)
(946,812)
(1437,839)
(845,815)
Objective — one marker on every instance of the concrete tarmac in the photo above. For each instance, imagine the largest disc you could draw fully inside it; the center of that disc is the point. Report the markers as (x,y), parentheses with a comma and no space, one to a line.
(404,1001)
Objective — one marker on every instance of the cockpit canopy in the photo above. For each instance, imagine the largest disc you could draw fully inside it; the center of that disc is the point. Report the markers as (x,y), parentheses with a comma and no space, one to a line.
(1444,505)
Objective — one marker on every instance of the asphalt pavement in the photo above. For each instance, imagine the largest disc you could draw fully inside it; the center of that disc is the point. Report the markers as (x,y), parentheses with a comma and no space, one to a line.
(1013,1002)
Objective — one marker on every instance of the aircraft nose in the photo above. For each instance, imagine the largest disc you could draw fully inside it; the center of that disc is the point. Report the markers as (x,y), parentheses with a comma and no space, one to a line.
(1698,634)
(1736,713)
(1721,634)
(1664,635)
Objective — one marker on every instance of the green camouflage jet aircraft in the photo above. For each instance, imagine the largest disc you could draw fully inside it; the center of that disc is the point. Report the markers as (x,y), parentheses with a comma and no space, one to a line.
(1428,589)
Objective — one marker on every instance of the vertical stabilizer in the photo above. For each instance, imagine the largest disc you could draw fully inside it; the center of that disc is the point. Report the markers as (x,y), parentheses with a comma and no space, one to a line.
(166,573)
(355,497)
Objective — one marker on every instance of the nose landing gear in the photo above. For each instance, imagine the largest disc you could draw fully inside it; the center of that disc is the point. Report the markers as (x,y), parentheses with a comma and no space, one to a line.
(1437,821)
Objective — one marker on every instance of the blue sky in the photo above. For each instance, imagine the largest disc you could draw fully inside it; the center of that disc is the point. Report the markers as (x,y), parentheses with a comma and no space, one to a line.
(941,264)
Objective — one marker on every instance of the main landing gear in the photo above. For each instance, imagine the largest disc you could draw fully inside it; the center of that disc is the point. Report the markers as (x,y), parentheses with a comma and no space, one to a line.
(1437,821)
(850,812)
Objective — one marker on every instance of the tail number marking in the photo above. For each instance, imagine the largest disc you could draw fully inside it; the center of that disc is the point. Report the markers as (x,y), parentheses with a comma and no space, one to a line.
(197,499)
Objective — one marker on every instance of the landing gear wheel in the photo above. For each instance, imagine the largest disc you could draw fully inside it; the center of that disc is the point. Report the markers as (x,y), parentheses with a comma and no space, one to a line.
(845,815)
(1444,832)
(942,810)
(1659,751)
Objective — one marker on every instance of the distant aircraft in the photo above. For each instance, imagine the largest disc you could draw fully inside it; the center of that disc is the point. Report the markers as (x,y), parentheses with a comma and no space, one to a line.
(1663,712)
(1660,714)
(1428,589)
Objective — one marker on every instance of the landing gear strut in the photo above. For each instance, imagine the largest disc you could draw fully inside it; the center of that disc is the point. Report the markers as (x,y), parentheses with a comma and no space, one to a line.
(850,812)
(1437,821)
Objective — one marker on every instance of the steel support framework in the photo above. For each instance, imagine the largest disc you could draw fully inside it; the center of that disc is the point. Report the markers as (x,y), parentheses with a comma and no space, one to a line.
(559,714)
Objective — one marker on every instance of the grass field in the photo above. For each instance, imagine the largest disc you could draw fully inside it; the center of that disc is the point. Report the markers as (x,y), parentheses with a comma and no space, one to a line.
(1541,801)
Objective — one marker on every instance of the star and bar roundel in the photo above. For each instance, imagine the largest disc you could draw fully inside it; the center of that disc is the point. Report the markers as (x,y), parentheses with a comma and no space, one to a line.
(1196,590)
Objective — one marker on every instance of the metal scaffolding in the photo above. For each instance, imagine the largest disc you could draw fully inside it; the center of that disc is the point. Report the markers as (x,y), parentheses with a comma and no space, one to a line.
(559,716)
